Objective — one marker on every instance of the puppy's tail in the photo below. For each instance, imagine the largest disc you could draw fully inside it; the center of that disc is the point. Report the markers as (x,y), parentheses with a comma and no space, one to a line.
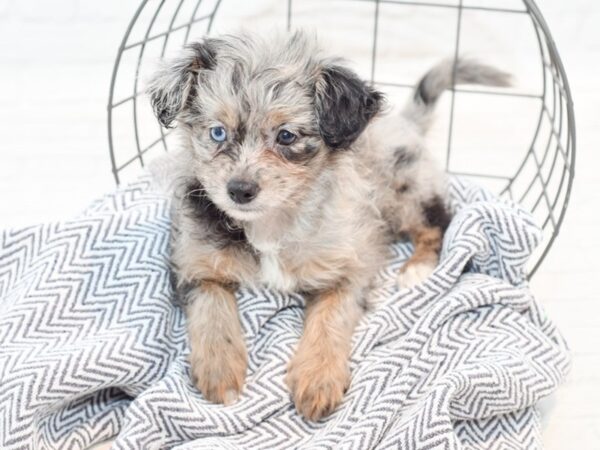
(441,77)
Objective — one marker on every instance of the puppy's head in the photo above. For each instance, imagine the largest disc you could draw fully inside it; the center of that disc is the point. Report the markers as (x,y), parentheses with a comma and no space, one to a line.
(263,119)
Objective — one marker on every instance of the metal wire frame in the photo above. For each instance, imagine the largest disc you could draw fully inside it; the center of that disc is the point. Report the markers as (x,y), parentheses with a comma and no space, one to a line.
(126,45)
(546,195)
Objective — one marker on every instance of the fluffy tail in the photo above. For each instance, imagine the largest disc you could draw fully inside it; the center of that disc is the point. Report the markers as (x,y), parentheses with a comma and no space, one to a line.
(441,77)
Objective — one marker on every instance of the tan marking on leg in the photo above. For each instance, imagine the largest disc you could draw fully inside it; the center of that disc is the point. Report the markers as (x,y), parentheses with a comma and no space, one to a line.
(318,374)
(198,262)
(218,351)
(428,243)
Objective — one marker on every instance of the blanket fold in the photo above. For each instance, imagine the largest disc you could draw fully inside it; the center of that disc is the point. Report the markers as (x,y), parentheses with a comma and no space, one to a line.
(92,346)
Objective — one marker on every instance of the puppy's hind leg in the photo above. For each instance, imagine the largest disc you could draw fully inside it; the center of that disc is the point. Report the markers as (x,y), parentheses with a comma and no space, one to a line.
(427,242)
(427,239)
(218,351)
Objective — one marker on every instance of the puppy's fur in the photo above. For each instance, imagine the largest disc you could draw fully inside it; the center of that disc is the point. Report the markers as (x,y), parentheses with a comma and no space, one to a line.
(327,205)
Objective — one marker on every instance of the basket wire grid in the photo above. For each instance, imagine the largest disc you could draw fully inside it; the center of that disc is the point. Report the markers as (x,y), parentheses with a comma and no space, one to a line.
(542,181)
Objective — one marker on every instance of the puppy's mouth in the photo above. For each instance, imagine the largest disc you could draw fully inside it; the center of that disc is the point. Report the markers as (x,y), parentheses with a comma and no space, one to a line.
(247,212)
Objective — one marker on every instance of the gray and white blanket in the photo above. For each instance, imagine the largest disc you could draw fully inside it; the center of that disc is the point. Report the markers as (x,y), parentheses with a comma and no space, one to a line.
(92,347)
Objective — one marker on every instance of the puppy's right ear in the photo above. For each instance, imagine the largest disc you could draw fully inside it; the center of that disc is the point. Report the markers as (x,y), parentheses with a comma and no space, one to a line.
(173,85)
(345,104)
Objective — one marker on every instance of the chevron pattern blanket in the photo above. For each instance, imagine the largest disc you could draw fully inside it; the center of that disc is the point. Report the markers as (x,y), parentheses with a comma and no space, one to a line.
(92,347)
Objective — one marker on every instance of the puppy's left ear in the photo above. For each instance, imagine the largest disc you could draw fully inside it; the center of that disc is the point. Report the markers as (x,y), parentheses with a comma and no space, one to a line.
(345,104)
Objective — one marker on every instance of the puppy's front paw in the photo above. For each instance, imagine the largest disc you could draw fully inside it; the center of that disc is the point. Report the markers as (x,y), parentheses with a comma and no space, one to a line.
(317,387)
(413,273)
(219,371)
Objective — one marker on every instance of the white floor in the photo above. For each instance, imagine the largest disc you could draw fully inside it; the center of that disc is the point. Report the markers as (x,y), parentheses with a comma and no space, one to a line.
(55,65)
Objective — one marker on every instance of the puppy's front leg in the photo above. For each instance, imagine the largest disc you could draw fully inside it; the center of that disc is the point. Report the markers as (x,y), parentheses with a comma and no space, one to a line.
(318,374)
(218,351)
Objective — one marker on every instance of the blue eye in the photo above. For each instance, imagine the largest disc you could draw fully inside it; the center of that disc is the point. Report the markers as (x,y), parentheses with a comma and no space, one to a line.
(285,137)
(218,134)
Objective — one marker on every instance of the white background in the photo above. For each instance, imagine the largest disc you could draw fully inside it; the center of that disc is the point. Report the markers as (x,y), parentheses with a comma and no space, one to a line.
(56,59)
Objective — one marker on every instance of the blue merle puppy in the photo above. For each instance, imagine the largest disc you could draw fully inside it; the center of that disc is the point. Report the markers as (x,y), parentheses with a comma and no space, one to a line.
(290,176)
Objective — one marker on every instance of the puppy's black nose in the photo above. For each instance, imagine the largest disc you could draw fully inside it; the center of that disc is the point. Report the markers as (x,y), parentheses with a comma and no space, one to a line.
(242,191)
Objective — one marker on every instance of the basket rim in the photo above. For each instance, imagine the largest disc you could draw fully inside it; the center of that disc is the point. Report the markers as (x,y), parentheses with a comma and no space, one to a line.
(531,8)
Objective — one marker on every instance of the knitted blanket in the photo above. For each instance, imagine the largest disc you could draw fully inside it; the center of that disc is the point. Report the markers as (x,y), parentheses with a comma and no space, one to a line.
(93,348)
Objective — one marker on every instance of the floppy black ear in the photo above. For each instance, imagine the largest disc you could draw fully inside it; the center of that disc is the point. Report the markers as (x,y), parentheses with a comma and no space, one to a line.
(173,85)
(345,104)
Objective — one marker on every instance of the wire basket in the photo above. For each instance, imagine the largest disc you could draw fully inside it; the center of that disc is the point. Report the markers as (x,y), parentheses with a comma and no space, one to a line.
(528,144)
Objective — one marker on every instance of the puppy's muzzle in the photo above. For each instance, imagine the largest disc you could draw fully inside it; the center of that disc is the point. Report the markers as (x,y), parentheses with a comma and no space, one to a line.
(241,191)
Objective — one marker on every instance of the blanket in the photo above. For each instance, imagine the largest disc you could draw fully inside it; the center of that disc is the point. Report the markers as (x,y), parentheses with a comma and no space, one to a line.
(93,347)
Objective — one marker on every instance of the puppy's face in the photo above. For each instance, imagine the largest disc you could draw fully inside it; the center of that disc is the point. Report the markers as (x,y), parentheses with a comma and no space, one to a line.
(255,137)
(263,120)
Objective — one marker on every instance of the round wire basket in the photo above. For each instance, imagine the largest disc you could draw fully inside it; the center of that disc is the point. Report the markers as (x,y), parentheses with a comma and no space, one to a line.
(520,142)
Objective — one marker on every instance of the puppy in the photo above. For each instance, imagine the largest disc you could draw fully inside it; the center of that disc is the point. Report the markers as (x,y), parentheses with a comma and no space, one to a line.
(289,176)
